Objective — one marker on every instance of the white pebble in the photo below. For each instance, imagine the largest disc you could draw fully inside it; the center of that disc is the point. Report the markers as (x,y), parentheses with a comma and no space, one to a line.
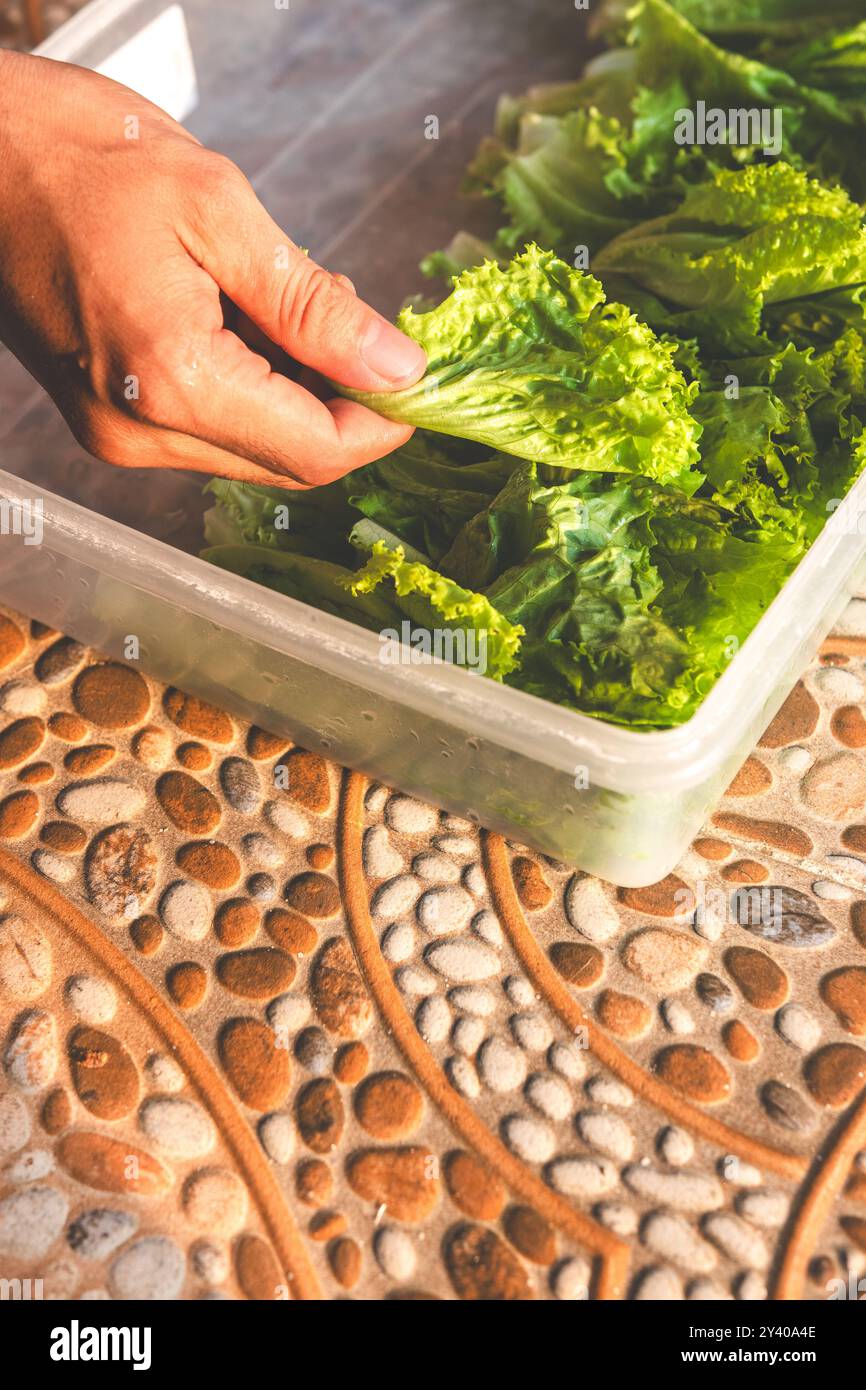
(102,801)
(794,760)
(531,1031)
(186,910)
(398,942)
(763,1207)
(444,911)
(659,1286)
(670,1236)
(590,910)
(435,868)
(847,864)
(704,1290)
(519,991)
(395,1253)
(831,892)
(502,1066)
(676,1017)
(395,897)
(853,621)
(410,817)
(277,1134)
(31,1219)
(261,850)
(152,1268)
(737,1172)
(549,1095)
(736,1239)
(287,819)
(532,1140)
(568,1060)
(694,1192)
(608,1134)
(210,1262)
(92,999)
(463,960)
(381,859)
(180,1127)
(433,1019)
(376,797)
(14,1123)
(54,866)
(31,1165)
(607,1090)
(586,1176)
(463,1077)
(486,925)
(676,1146)
(798,1027)
(467,1036)
(164,1072)
(288,1012)
(473,999)
(473,880)
(751,1288)
(22,697)
(459,846)
(571,1279)
(415,980)
(618,1217)
(837,684)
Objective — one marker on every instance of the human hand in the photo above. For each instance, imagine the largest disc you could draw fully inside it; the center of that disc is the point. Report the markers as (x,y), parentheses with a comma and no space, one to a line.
(118,231)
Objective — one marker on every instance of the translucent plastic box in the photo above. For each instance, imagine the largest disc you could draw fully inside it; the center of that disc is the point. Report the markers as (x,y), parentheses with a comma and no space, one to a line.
(327,119)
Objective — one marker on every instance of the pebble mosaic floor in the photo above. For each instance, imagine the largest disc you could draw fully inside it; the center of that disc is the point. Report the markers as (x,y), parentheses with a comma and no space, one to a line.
(298,1036)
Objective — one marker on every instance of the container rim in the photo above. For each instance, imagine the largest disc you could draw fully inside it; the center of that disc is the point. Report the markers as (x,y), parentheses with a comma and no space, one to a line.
(620,759)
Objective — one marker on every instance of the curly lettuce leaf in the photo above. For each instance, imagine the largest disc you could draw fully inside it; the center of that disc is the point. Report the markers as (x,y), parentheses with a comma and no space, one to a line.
(432,601)
(531,360)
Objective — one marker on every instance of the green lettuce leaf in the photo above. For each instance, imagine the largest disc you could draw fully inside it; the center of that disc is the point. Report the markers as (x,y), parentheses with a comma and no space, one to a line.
(532,360)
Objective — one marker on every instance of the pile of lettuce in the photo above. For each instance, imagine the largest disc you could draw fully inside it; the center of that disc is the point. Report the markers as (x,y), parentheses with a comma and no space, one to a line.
(614,472)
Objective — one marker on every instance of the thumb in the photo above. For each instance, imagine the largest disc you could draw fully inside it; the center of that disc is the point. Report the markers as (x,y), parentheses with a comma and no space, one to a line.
(313,315)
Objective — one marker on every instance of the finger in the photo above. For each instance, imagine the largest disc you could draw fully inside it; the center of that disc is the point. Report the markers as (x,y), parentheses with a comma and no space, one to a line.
(300,306)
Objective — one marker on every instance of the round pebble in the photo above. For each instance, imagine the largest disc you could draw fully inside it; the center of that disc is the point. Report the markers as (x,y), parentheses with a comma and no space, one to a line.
(798,1027)
(398,942)
(486,926)
(590,910)
(14,1123)
(240,783)
(443,911)
(152,1268)
(381,859)
(571,1279)
(608,1134)
(531,1139)
(277,1133)
(395,1253)
(180,1127)
(185,909)
(502,1066)
(433,1019)
(463,1077)
(676,1146)
(473,999)
(92,999)
(548,1095)
(410,817)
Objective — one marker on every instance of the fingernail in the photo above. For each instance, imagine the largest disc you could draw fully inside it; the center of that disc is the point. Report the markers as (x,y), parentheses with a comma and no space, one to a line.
(390,354)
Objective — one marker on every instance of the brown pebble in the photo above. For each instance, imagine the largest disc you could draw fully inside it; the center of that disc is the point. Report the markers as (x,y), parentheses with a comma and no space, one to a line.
(325,1225)
(774,833)
(20,740)
(858,921)
(57,1111)
(151,746)
(12,641)
(313,894)
(259,973)
(338,992)
(111,696)
(103,1073)
(320,1115)
(197,718)
(36,774)
(313,1182)
(209,862)
(531,886)
(344,1258)
(753,778)
(189,805)
(304,777)
(404,1181)
(531,1235)
(854,837)
(320,856)
(58,662)
(828,658)
(796,720)
(695,1072)
(844,991)
(855,1187)
(475,1188)
(849,726)
(236,922)
(761,981)
(112,1165)
(17,815)
(389,1105)
(187,984)
(261,745)
(291,931)
(40,632)
(483,1269)
(258,1069)
(351,1063)
(623,1014)
(740,1042)
(259,1274)
(194,756)
(835,1074)
(84,762)
(855,1228)
(147,934)
(709,848)
(578,962)
(63,836)
(745,871)
(835,787)
(821,1270)
(67,727)
(671,897)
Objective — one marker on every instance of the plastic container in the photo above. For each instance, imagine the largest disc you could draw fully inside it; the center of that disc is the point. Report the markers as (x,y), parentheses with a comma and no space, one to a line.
(620,804)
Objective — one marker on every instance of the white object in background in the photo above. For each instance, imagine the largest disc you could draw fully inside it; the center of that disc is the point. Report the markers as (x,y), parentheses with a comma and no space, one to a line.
(156,62)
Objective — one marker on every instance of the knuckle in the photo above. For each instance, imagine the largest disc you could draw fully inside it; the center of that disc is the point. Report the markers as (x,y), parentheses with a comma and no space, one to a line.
(310,298)
(221,181)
